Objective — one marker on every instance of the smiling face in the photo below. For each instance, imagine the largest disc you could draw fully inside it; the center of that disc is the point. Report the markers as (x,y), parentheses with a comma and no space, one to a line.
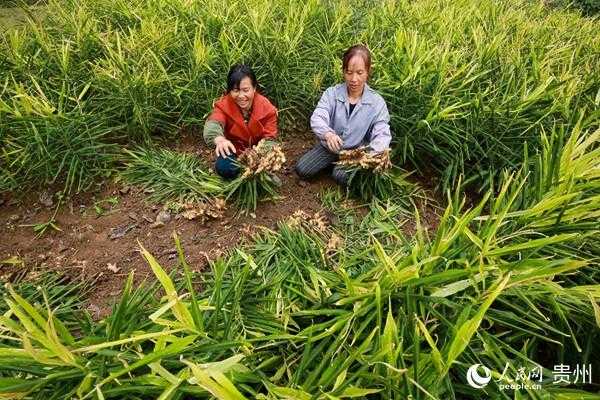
(356,75)
(244,95)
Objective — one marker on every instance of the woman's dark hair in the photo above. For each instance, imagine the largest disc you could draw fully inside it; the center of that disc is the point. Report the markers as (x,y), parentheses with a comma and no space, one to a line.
(357,50)
(236,74)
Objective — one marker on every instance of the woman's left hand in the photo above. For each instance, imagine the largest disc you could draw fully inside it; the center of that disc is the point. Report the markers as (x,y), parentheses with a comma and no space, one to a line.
(334,142)
(224,147)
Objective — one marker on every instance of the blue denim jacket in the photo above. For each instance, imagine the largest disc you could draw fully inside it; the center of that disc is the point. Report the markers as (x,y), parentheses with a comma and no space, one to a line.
(368,124)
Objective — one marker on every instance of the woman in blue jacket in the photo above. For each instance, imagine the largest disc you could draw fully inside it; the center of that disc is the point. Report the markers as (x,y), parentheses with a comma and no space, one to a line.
(348,115)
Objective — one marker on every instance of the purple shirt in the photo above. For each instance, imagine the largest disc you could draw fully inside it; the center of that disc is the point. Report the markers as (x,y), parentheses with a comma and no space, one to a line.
(369,123)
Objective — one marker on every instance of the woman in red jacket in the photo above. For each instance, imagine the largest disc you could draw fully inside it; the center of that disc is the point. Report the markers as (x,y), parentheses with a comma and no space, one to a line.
(239,120)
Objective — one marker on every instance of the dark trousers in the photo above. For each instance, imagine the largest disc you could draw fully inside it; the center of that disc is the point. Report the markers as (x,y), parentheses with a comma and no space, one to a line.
(317,159)
(226,167)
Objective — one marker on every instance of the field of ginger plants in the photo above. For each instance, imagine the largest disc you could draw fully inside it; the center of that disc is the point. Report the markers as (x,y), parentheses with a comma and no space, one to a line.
(495,111)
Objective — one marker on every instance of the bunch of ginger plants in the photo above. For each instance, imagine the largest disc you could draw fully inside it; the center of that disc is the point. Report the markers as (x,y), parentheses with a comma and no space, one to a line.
(372,175)
(257,180)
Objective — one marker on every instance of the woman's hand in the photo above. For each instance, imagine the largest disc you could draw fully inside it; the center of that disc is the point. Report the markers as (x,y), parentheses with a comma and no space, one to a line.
(334,142)
(224,147)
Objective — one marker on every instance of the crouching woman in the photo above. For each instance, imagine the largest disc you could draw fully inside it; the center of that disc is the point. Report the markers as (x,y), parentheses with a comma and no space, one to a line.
(239,120)
(349,115)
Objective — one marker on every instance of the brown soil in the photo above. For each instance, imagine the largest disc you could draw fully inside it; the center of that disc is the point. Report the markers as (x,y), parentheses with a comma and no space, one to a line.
(84,247)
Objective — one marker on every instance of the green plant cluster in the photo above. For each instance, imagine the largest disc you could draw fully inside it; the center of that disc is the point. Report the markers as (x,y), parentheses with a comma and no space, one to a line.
(391,184)
(168,175)
(589,8)
(247,192)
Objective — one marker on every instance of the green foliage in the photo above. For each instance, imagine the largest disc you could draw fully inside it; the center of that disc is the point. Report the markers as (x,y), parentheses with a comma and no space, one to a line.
(386,185)
(170,175)
(246,192)
(588,7)
(71,149)
(61,293)
(110,202)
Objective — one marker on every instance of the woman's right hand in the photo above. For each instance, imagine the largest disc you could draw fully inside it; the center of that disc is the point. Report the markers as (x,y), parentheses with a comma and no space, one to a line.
(224,147)
(334,142)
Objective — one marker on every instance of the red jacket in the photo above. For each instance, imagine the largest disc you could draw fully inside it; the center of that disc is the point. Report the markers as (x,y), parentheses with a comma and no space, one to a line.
(262,122)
